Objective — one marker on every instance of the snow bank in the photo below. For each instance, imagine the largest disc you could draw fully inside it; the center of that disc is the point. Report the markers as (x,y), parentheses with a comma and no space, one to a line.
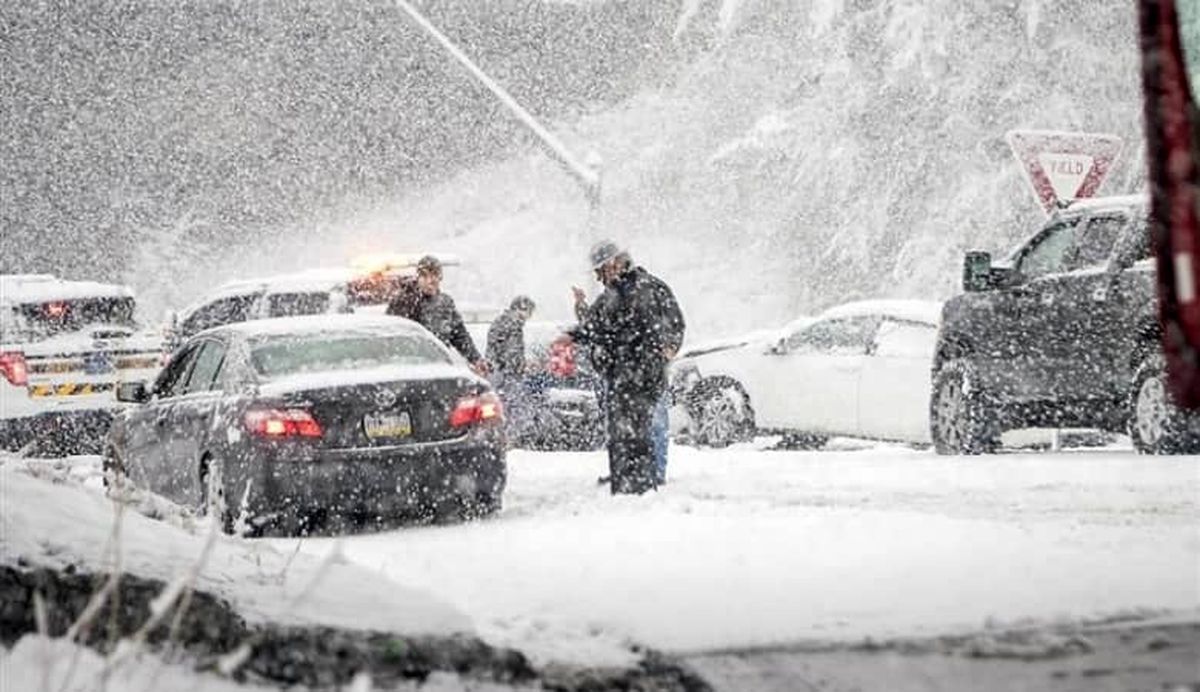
(44,523)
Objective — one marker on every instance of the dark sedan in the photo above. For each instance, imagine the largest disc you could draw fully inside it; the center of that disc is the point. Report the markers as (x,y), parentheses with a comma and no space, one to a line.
(308,423)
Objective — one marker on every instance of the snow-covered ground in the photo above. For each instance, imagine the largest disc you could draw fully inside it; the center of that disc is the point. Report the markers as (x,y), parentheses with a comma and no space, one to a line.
(745,546)
(749,547)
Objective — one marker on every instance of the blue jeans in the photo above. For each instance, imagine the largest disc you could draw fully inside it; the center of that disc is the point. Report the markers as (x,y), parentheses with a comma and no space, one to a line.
(660,427)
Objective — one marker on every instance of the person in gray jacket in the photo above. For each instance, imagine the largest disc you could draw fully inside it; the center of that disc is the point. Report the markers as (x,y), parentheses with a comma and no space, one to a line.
(506,356)
(506,339)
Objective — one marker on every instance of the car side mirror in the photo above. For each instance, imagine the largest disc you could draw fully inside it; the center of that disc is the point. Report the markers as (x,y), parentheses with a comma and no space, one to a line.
(977,271)
(133,392)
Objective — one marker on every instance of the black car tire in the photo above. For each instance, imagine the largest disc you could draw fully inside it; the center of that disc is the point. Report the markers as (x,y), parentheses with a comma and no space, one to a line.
(1156,425)
(721,414)
(484,505)
(802,441)
(213,499)
(962,419)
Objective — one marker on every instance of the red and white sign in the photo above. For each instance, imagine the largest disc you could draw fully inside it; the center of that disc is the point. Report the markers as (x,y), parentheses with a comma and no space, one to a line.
(1062,166)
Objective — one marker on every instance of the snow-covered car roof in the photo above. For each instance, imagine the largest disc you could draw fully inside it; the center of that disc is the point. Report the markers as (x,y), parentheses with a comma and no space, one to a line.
(322,279)
(1112,202)
(925,311)
(40,288)
(314,324)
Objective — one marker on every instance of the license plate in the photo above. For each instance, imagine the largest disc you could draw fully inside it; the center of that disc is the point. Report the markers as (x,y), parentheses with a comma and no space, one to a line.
(387,425)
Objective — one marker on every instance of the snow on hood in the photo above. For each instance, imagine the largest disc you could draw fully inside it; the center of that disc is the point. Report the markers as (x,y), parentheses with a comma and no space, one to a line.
(926,311)
(58,524)
(349,378)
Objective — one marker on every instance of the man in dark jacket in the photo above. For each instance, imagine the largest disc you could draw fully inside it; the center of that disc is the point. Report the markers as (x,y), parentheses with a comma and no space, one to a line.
(422,300)
(634,328)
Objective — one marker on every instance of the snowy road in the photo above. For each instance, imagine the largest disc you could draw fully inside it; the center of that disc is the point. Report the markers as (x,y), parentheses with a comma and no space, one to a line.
(749,547)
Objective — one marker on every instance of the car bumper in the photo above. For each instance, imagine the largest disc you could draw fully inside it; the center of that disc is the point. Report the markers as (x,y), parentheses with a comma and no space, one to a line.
(343,487)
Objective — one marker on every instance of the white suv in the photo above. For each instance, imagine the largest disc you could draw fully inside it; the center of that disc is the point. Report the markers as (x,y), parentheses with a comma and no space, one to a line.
(64,347)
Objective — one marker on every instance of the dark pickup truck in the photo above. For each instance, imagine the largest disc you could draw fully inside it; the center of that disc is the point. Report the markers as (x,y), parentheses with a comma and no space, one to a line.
(1065,333)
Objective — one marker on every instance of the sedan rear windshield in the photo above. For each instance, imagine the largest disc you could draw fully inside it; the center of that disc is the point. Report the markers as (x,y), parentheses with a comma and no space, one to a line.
(290,354)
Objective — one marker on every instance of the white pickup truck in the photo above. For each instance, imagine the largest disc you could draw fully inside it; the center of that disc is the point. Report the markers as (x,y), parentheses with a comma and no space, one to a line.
(64,347)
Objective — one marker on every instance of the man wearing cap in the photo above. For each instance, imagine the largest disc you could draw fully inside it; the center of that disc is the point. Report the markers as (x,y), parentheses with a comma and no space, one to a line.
(422,301)
(634,328)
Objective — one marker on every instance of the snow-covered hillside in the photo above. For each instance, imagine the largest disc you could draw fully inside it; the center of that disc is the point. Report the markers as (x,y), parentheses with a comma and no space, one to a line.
(817,151)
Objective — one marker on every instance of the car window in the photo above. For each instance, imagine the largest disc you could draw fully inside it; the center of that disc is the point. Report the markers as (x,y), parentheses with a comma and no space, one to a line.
(170,382)
(203,373)
(1095,241)
(841,336)
(1051,251)
(220,312)
(1134,244)
(294,304)
(905,340)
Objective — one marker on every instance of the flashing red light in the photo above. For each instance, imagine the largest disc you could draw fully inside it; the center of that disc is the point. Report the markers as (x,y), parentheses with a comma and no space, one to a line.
(281,423)
(56,310)
(562,357)
(16,371)
(476,409)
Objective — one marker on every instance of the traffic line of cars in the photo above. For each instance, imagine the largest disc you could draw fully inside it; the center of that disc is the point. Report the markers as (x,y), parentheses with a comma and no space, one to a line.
(282,406)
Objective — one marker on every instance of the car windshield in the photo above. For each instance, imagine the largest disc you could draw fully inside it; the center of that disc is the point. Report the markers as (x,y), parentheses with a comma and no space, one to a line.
(43,320)
(291,353)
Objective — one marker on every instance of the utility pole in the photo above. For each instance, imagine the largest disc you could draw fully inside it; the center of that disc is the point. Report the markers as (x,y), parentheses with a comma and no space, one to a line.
(587,175)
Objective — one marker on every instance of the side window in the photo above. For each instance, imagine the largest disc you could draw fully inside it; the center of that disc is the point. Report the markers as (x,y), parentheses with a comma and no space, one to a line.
(1051,251)
(219,312)
(1095,241)
(842,336)
(1134,245)
(170,382)
(207,365)
(905,340)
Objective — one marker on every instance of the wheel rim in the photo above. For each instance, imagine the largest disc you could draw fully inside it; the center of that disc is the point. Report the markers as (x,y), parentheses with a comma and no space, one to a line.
(1151,411)
(949,413)
(214,492)
(719,420)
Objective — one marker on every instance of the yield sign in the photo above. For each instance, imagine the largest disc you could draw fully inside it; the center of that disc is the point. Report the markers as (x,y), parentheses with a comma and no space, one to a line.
(1062,166)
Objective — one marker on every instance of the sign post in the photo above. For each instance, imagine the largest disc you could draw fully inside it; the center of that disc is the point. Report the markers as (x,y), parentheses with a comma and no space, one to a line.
(1062,166)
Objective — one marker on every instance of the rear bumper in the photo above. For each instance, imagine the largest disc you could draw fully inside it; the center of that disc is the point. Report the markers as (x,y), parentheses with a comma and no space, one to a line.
(334,488)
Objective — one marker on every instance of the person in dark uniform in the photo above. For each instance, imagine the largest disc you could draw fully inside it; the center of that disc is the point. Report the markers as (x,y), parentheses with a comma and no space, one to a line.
(634,328)
(422,301)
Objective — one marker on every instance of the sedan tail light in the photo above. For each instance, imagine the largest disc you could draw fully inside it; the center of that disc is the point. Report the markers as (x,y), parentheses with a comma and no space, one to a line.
(476,409)
(14,368)
(278,423)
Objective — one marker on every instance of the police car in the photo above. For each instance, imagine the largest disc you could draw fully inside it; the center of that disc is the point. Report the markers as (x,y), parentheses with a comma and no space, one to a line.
(366,285)
(64,348)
